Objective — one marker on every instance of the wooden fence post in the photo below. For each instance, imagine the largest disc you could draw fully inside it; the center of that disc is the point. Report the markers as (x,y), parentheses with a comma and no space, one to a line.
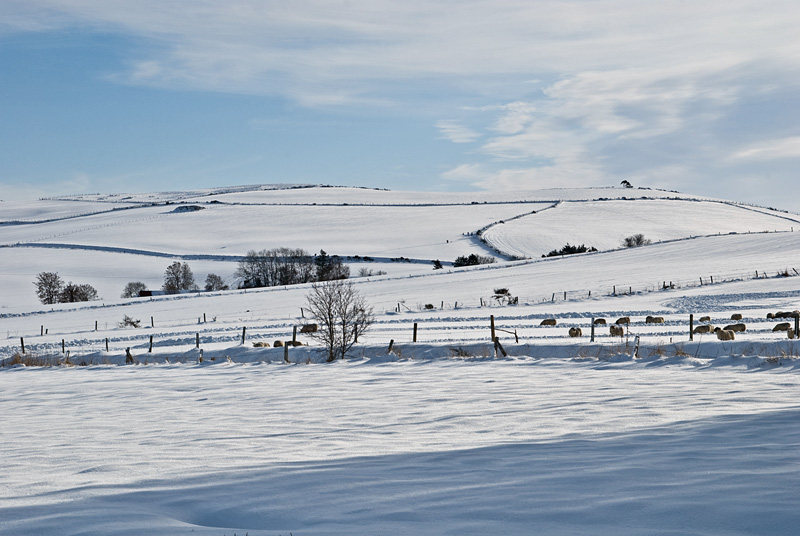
(197,340)
(553,298)
(592,329)
(106,344)
(415,332)
(391,344)
(294,334)
(712,279)
(22,343)
(42,333)
(95,325)
(796,326)
(500,346)
(491,324)
(204,318)
(691,327)
(614,292)
(516,339)
(63,348)
(152,322)
(565,295)
(244,330)
(286,352)
(150,350)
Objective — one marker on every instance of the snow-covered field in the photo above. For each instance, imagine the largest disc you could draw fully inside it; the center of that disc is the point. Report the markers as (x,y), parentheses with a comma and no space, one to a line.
(442,436)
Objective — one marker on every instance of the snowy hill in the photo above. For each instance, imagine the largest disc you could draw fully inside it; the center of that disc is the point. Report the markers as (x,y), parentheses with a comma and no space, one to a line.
(651,432)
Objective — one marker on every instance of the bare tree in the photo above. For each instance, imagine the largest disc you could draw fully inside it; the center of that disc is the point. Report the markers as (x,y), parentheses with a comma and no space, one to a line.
(48,287)
(178,277)
(342,314)
(133,289)
(215,282)
(77,293)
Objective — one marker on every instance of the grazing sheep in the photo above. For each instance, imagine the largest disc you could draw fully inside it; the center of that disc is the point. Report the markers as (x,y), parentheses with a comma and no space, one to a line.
(616,331)
(575,332)
(786,314)
(654,320)
(735,327)
(294,343)
(708,328)
(736,316)
(790,333)
(309,328)
(783,326)
(548,322)
(599,321)
(724,334)
(261,345)
(770,316)
(623,320)
(705,319)
(277,344)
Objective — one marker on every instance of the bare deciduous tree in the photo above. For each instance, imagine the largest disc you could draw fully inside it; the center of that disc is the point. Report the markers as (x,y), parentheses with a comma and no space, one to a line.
(178,277)
(77,293)
(48,287)
(133,289)
(342,314)
(215,282)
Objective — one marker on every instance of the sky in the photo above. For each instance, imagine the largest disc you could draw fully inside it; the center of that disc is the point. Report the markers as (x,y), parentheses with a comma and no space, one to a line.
(433,95)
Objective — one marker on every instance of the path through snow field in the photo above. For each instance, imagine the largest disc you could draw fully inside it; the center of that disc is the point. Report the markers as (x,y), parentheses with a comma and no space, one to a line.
(457,446)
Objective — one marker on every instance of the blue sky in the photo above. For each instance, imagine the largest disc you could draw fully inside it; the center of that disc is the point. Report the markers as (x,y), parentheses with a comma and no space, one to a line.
(116,95)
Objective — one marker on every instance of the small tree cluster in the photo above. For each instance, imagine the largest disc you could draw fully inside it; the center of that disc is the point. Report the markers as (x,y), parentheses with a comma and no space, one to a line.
(570,250)
(473,260)
(285,266)
(634,241)
(50,288)
(342,314)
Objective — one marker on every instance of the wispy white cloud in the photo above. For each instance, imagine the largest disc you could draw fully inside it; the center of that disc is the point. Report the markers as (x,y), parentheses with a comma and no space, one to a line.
(456,132)
(772,149)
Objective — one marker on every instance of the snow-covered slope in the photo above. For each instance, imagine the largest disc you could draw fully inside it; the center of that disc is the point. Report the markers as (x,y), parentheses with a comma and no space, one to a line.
(604,224)
(649,433)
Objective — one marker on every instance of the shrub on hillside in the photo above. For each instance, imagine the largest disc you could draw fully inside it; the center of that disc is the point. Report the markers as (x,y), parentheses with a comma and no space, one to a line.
(133,289)
(634,241)
(473,260)
(570,250)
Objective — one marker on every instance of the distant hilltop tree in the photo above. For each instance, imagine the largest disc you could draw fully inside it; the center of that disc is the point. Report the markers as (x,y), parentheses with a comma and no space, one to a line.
(626,184)
(215,282)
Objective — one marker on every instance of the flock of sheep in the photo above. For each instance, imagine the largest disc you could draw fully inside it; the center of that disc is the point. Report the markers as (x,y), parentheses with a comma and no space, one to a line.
(726,333)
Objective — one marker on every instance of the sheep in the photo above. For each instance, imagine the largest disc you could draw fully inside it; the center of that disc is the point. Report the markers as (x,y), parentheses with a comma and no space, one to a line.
(724,334)
(616,331)
(309,328)
(705,319)
(623,320)
(294,343)
(261,345)
(707,328)
(548,322)
(599,321)
(654,320)
(783,326)
(277,344)
(790,333)
(735,327)
(770,316)
(575,332)
(736,316)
